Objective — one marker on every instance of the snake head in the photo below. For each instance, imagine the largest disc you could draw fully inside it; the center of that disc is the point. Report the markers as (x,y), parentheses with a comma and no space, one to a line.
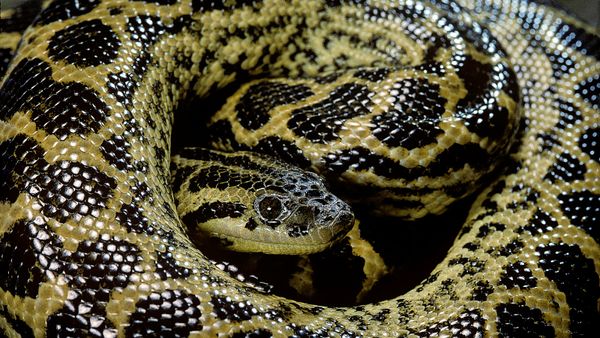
(254,203)
(302,218)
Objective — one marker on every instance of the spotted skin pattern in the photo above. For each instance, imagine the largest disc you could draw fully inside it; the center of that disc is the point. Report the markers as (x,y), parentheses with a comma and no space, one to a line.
(88,228)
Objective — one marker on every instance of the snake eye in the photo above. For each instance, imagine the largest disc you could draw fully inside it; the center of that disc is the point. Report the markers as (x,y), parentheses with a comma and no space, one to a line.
(270,207)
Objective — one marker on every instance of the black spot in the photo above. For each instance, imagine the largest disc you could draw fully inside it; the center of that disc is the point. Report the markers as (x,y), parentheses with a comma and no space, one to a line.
(575,275)
(488,228)
(566,168)
(231,159)
(21,158)
(322,121)
(233,310)
(578,39)
(145,29)
(519,320)
(221,177)
(61,109)
(482,114)
(213,210)
(71,189)
(481,291)
(413,119)
(539,223)
(15,323)
(121,86)
(589,90)
(85,44)
(64,10)
(589,143)
(251,224)
(29,251)
(6,55)
(548,141)
(561,63)
(159,2)
(569,115)
(453,158)
(284,150)
(204,6)
(298,230)
(258,333)
(468,324)
(132,218)
(254,106)
(518,275)
(171,313)
(510,249)
(116,151)
(93,271)
(166,267)
(470,266)
(372,74)
(583,210)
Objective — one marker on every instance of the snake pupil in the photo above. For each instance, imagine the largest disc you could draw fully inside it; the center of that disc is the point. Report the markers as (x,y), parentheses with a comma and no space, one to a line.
(270,208)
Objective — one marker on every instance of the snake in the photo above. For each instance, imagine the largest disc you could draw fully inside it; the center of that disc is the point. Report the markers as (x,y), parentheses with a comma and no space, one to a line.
(403,106)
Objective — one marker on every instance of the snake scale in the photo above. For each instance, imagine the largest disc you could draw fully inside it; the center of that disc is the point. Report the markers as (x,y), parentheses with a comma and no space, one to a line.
(412,100)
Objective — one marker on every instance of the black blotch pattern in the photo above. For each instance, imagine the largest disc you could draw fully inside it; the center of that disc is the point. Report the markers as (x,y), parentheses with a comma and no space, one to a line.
(254,106)
(575,275)
(561,63)
(20,160)
(235,311)
(171,313)
(453,158)
(132,218)
(29,251)
(539,223)
(64,10)
(85,44)
(589,90)
(121,86)
(166,267)
(566,168)
(159,2)
(589,142)
(519,320)
(509,249)
(488,228)
(578,39)
(569,115)
(413,119)
(116,151)
(71,189)
(205,6)
(283,150)
(220,177)
(179,176)
(235,160)
(518,275)
(258,333)
(468,324)
(372,74)
(213,210)
(92,272)
(16,324)
(6,55)
(481,291)
(321,122)
(21,17)
(470,266)
(482,114)
(583,210)
(58,108)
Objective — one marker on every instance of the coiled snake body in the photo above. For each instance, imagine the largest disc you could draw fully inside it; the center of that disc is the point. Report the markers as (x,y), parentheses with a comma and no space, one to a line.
(412,101)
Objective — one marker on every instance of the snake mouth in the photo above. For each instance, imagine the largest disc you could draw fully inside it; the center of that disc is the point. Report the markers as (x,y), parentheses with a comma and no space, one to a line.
(297,239)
